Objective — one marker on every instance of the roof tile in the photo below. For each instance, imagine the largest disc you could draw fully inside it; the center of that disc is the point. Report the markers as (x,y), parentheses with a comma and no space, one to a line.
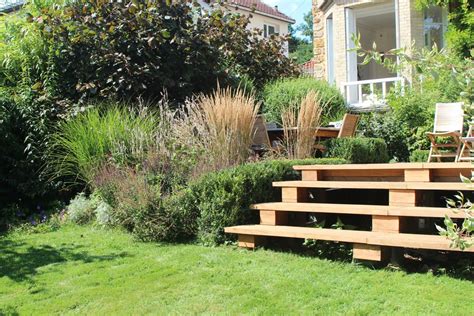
(261,7)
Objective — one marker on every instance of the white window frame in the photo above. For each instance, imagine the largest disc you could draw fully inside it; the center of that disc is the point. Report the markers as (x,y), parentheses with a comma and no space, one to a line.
(330,67)
(265,29)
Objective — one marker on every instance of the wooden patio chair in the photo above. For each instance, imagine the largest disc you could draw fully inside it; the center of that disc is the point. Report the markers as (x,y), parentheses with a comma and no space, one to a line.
(467,145)
(447,131)
(349,125)
(348,129)
(261,141)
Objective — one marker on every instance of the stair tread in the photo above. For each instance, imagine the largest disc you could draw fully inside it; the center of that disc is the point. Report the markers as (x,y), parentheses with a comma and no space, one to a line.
(416,241)
(396,185)
(388,166)
(361,209)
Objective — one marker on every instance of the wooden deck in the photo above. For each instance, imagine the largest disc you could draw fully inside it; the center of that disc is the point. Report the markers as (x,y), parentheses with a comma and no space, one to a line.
(405,184)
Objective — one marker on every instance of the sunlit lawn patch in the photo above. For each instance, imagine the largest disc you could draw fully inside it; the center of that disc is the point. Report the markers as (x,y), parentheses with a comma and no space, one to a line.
(92,271)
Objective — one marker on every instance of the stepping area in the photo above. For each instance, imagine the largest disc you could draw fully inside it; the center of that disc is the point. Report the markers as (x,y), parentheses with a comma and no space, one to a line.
(409,187)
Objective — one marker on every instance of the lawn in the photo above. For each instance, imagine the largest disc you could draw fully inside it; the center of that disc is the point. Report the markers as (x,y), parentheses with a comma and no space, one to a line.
(87,270)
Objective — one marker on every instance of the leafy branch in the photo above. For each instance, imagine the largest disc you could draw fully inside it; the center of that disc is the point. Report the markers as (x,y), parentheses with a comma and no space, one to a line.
(461,236)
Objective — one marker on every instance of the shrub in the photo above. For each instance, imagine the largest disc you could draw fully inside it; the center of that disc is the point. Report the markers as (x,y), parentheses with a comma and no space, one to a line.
(140,48)
(414,112)
(18,178)
(419,155)
(286,93)
(358,150)
(385,126)
(81,210)
(222,198)
(55,57)
(103,213)
(131,195)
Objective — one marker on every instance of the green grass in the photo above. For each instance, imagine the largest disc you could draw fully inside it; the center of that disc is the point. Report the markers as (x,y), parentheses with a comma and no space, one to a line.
(91,271)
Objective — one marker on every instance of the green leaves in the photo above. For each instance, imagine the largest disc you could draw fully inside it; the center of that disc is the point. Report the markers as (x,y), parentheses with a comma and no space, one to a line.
(461,236)
(125,48)
(358,150)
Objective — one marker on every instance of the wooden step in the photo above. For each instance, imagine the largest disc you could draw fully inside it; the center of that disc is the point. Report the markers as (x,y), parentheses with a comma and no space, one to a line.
(390,166)
(351,236)
(359,209)
(386,185)
(409,172)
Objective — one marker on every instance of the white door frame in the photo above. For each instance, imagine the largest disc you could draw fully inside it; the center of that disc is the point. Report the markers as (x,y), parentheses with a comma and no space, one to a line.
(330,49)
(351,56)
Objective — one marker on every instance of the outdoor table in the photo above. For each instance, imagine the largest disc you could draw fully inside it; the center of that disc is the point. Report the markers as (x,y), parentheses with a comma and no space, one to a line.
(321,133)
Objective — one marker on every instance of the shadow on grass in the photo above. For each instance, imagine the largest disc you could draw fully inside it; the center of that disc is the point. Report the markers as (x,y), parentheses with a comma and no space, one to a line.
(20,263)
(455,265)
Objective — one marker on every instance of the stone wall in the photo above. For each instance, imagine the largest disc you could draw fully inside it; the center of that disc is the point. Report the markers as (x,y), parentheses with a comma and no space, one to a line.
(319,42)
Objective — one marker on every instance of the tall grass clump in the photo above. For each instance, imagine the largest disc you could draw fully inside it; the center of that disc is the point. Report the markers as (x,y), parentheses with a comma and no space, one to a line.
(221,125)
(299,143)
(86,142)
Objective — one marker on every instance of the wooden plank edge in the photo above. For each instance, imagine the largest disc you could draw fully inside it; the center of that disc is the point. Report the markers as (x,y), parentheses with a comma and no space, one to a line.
(386,210)
(415,241)
(389,166)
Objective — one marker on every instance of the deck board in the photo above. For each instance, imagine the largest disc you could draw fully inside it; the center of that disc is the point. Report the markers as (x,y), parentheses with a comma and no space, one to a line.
(390,166)
(415,241)
(360,209)
(386,185)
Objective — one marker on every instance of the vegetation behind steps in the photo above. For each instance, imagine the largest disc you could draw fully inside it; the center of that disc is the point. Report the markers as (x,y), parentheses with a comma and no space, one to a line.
(222,199)
(286,93)
(358,150)
(201,209)
(55,56)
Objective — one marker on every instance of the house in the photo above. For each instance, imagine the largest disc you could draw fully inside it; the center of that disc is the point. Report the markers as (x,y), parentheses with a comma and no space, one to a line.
(387,23)
(262,16)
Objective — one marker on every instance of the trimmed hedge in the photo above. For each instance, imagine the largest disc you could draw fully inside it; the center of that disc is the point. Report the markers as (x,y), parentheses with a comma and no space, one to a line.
(419,155)
(358,150)
(222,198)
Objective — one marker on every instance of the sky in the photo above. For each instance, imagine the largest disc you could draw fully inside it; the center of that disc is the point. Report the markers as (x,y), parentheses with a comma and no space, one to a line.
(293,8)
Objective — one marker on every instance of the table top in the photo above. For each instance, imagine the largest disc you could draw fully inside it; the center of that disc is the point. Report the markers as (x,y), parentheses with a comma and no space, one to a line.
(322,128)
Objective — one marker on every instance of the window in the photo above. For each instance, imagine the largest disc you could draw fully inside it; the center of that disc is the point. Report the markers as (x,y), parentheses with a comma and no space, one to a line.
(269,30)
(330,49)
(434,26)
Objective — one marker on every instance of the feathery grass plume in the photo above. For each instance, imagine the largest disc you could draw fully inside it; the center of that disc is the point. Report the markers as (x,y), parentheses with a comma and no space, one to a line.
(105,133)
(301,125)
(290,133)
(222,127)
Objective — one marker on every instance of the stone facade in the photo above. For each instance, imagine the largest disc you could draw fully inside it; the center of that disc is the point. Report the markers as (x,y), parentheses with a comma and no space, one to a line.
(319,42)
(410,27)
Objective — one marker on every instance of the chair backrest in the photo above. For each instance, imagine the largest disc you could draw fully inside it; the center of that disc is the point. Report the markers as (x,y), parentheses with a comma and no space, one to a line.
(260,134)
(449,117)
(349,125)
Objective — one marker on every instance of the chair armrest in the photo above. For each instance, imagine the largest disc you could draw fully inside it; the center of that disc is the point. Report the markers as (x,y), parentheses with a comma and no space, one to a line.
(441,134)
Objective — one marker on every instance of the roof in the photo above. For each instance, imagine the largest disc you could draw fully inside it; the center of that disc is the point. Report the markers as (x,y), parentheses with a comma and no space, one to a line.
(261,7)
